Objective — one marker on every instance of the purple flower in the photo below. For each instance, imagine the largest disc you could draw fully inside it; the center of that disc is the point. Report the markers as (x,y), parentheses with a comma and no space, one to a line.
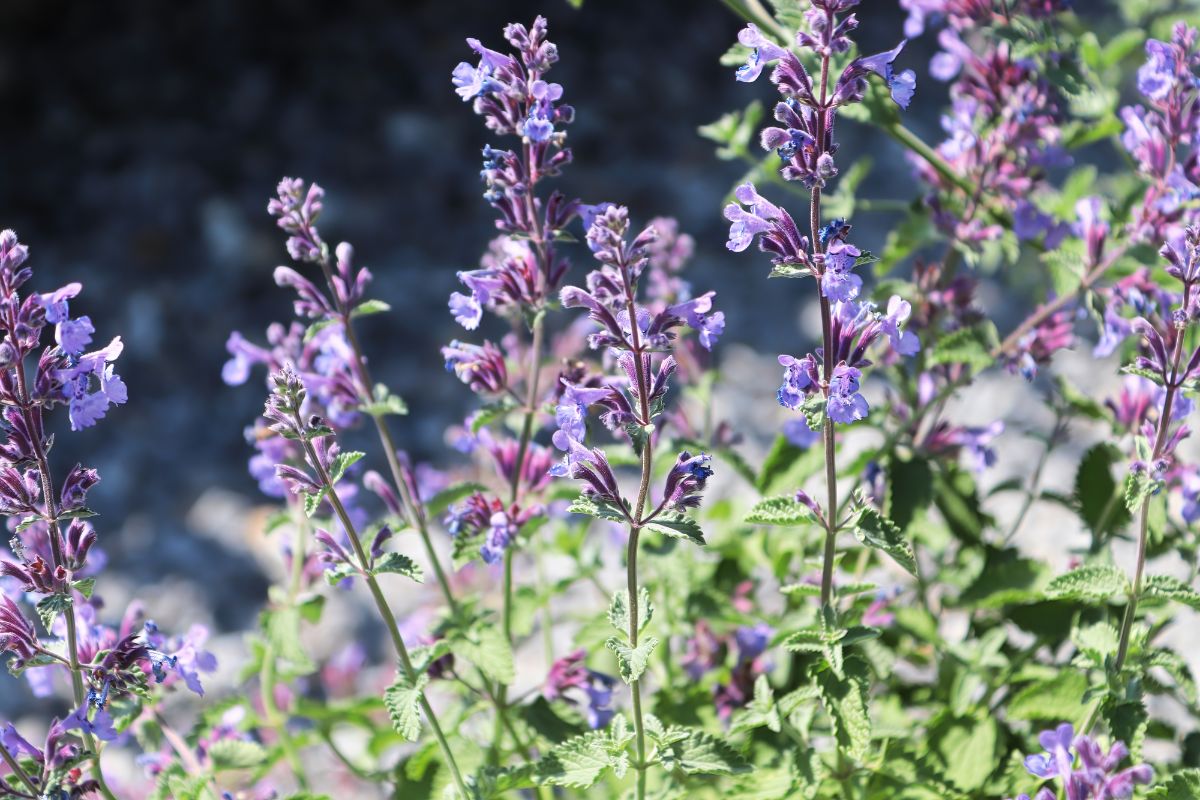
(845,404)
(480,367)
(467,310)
(73,335)
(763,51)
(838,282)
(898,311)
(1057,760)
(570,680)
(686,480)
(799,380)
(851,87)
(1157,76)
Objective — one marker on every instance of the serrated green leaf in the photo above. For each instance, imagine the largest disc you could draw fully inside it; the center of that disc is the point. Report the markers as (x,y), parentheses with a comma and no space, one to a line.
(780,511)
(342,462)
(632,661)
(760,712)
(589,505)
(395,563)
(618,610)
(1140,487)
(969,750)
(1171,589)
(677,526)
(50,606)
(845,701)
(701,753)
(227,754)
(580,761)
(403,702)
(1183,785)
(484,646)
(85,586)
(968,346)
(281,626)
(1051,700)
(1098,583)
(312,501)
(877,531)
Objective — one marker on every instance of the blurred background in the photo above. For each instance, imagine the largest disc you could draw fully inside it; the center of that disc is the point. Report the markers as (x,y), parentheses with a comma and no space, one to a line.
(141,140)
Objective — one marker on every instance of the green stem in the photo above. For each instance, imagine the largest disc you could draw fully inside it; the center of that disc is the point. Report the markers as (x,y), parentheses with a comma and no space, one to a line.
(268,678)
(1160,441)
(381,604)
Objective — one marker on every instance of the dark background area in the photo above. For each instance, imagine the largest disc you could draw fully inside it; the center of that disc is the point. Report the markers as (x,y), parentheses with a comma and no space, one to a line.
(141,141)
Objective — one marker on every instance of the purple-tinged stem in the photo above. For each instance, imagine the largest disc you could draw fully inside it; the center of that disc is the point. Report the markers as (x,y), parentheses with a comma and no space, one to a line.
(814,214)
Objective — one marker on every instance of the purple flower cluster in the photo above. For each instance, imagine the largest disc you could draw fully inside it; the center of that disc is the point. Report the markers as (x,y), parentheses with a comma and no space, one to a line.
(807,115)
(827,382)
(1162,136)
(707,651)
(572,682)
(54,557)
(855,328)
(631,334)
(510,92)
(1097,776)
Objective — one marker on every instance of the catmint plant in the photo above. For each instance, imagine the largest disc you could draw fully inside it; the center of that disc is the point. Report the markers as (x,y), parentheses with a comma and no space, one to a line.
(112,671)
(824,385)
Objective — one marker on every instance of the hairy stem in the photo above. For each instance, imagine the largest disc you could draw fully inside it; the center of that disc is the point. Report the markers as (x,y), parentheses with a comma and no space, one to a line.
(381,603)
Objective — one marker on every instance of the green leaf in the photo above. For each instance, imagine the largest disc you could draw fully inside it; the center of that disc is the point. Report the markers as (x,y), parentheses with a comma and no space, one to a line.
(312,501)
(1097,583)
(424,656)
(395,563)
(782,511)
(760,712)
(85,586)
(877,531)
(403,701)
(50,606)
(787,466)
(580,761)
(734,131)
(1096,491)
(384,403)
(910,490)
(677,526)
(1140,487)
(632,661)
(1183,785)
(702,754)
(969,750)
(341,463)
(618,610)
(845,700)
(484,646)
(281,626)
(369,307)
(236,754)
(1171,589)
(312,330)
(1052,700)
(589,505)
(814,408)
(440,502)
(970,346)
